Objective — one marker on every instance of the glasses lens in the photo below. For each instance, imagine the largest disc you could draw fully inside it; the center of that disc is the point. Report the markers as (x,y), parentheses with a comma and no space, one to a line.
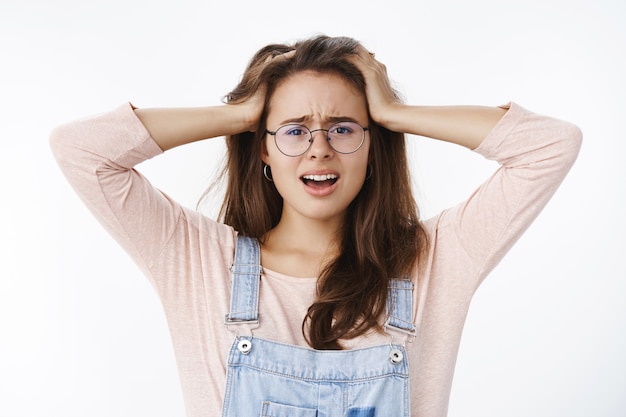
(293,140)
(343,137)
(346,137)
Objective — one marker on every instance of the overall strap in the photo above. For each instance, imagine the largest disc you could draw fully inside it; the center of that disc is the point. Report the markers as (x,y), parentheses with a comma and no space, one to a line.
(400,306)
(245,275)
(244,298)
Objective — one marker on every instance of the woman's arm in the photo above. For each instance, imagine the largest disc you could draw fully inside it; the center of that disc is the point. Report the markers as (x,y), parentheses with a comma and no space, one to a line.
(464,125)
(174,127)
(97,155)
(535,153)
(178,126)
(171,127)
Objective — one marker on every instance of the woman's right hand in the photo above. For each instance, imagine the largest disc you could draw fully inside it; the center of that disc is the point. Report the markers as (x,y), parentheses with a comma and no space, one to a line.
(251,108)
(178,126)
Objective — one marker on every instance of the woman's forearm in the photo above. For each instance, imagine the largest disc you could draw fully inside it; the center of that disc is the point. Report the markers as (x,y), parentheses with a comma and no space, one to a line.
(171,127)
(463,125)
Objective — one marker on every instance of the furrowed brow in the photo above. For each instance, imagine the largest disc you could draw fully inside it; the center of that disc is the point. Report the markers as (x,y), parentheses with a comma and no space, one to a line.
(335,119)
(329,119)
(300,119)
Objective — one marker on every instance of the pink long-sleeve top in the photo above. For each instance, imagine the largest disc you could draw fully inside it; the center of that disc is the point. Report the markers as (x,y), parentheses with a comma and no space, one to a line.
(187,256)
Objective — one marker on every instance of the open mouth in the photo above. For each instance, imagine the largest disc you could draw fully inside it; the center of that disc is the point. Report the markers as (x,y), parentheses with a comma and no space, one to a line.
(324,180)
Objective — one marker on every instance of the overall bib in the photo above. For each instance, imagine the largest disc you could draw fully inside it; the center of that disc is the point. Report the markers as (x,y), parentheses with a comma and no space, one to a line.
(270,379)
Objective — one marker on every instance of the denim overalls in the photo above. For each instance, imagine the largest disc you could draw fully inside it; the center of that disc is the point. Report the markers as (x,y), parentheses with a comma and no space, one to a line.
(270,379)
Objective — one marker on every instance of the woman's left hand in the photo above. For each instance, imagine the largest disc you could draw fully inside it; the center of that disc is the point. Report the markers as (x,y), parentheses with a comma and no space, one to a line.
(463,125)
(381,99)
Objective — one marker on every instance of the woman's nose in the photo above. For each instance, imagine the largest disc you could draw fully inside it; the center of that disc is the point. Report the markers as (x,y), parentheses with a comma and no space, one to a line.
(320,148)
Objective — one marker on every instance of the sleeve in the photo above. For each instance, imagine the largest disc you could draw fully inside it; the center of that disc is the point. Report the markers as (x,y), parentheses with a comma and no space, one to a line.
(535,153)
(97,155)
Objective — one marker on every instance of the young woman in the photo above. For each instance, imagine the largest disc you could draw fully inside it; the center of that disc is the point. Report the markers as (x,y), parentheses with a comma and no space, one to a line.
(322,292)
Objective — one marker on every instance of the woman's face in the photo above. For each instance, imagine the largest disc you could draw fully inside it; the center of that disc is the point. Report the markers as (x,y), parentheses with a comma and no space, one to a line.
(321,183)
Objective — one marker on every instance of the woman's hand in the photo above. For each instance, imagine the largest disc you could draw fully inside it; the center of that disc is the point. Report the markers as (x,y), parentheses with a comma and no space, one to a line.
(179,126)
(381,99)
(250,108)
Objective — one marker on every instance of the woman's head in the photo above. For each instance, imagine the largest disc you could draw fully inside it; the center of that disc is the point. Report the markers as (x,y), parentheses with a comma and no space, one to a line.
(261,207)
(318,148)
(321,54)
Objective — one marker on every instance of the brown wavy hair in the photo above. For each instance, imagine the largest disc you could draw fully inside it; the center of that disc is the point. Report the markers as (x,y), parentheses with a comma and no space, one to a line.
(382,236)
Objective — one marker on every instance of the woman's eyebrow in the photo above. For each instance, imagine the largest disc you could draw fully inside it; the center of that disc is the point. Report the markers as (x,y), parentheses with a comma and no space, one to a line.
(300,119)
(330,119)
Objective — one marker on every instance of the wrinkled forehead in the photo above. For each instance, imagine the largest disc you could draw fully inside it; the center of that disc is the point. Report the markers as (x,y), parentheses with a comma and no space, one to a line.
(308,97)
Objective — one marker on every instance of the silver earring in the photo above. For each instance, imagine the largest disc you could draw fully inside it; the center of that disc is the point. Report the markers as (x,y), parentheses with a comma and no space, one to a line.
(267,173)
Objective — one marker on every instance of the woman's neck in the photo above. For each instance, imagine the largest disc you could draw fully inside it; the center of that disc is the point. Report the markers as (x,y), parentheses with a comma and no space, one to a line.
(301,248)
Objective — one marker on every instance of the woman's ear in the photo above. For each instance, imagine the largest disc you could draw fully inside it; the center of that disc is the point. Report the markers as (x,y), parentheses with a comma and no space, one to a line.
(265,157)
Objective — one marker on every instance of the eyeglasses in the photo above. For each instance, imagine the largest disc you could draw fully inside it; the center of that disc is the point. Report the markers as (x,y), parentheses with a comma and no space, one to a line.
(295,139)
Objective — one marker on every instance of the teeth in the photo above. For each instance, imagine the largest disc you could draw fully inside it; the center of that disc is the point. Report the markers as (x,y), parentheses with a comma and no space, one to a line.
(320,177)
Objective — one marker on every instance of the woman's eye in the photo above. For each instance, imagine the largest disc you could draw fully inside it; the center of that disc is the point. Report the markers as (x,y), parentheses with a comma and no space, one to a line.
(295,131)
(341,130)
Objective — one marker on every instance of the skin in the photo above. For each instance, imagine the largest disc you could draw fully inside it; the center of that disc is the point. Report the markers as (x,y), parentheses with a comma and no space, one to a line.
(305,237)
(315,98)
